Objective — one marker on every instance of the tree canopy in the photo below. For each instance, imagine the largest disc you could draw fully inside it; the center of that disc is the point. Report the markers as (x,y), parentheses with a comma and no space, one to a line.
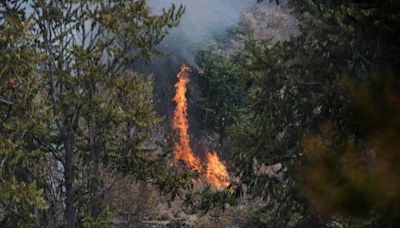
(71,106)
(294,90)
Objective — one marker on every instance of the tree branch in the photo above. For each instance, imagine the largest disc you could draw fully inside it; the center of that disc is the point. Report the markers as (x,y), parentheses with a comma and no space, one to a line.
(3,100)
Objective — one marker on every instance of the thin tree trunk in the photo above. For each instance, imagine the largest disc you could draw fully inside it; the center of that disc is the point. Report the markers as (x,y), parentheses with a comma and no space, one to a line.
(221,130)
(96,186)
(96,170)
(69,191)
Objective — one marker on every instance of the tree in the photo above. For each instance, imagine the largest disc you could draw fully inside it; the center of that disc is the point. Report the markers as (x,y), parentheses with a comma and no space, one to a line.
(89,45)
(97,115)
(356,178)
(299,87)
(222,92)
(21,118)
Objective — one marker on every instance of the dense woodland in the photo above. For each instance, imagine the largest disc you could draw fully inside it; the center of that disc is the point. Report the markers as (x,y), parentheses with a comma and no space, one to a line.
(308,123)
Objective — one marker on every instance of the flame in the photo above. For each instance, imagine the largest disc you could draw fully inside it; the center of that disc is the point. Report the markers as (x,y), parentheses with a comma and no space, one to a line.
(216,173)
(180,123)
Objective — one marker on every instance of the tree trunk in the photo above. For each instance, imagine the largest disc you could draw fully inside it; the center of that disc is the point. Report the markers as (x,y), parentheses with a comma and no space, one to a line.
(96,195)
(221,130)
(69,191)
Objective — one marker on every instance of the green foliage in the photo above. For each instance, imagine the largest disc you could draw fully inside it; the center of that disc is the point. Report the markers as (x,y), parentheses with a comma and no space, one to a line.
(298,88)
(71,107)
(21,117)
(19,201)
(101,220)
(359,177)
(207,199)
(222,91)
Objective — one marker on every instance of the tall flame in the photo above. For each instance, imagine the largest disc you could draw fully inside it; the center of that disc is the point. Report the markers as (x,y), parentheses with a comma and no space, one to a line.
(181,124)
(216,173)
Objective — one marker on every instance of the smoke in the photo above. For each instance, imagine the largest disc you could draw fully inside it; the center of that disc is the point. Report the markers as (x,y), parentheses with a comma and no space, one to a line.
(202,21)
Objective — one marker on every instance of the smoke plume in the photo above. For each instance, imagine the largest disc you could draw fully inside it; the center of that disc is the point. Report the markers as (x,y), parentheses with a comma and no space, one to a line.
(203,20)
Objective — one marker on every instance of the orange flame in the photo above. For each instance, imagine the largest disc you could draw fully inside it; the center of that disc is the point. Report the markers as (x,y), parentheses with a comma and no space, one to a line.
(181,124)
(216,173)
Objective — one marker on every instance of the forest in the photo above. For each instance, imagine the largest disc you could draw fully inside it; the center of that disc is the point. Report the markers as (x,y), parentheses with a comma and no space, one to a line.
(199,113)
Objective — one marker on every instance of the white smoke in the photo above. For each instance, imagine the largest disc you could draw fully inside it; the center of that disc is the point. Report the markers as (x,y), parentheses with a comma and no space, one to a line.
(202,21)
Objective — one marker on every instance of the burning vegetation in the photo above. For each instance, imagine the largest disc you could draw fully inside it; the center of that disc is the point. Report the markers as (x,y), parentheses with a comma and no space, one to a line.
(216,173)
(180,123)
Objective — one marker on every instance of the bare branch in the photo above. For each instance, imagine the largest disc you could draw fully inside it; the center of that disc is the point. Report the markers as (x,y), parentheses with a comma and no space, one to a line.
(3,100)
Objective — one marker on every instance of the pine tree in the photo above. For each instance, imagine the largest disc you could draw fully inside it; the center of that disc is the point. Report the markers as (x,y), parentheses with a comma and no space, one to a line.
(89,46)
(22,112)
(69,91)
(299,87)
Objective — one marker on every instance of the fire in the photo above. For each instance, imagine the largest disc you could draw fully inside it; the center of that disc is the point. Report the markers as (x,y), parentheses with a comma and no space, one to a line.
(181,124)
(216,173)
